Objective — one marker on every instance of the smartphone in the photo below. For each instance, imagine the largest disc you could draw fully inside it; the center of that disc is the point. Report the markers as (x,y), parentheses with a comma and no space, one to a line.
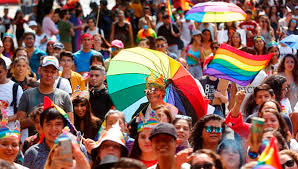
(66,144)
(257,130)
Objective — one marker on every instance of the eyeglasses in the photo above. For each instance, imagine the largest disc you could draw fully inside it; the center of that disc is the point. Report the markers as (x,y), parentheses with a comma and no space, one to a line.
(289,163)
(160,45)
(179,116)
(209,129)
(204,166)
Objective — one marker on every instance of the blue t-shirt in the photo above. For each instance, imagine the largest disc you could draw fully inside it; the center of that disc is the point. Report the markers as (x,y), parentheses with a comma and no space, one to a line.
(35,60)
(82,60)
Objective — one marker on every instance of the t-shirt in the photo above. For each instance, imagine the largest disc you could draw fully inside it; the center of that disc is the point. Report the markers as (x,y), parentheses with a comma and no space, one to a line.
(6,60)
(33,97)
(48,26)
(6,97)
(165,32)
(34,61)
(36,156)
(64,31)
(64,85)
(209,86)
(249,26)
(82,60)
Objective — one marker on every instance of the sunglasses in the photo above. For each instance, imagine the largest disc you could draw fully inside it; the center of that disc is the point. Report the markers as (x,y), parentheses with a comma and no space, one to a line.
(115,49)
(202,166)
(160,45)
(151,90)
(289,163)
(209,129)
(214,47)
(179,116)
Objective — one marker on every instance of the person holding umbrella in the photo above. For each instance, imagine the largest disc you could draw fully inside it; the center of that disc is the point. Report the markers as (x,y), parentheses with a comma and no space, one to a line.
(155,92)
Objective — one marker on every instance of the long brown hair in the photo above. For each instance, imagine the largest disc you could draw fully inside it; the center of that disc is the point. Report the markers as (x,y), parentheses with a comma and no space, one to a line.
(90,121)
(281,67)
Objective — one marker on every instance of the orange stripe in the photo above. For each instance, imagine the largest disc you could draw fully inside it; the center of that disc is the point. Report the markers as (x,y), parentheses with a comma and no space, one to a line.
(240,58)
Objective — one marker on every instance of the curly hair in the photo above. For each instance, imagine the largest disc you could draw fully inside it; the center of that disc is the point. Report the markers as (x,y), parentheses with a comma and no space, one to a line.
(291,154)
(281,66)
(276,82)
(196,135)
(215,157)
(281,140)
(283,127)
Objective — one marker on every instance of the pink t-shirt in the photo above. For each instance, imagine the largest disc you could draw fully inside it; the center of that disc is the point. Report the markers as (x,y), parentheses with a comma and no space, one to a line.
(49,27)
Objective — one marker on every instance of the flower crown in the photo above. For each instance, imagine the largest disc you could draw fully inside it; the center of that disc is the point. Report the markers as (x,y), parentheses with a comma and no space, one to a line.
(152,79)
(146,123)
(5,130)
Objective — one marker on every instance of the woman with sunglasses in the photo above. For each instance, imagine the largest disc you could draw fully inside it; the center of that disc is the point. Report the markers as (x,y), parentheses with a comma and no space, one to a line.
(183,127)
(207,132)
(206,159)
(50,49)
(288,159)
(266,30)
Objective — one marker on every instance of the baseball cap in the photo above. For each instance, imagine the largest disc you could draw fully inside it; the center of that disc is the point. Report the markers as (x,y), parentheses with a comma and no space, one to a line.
(117,43)
(58,45)
(50,60)
(163,128)
(32,23)
(196,32)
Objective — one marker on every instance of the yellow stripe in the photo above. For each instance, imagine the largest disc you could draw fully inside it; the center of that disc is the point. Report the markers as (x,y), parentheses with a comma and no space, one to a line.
(238,64)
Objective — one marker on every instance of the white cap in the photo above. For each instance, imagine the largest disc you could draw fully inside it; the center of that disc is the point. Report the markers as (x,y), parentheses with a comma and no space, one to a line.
(32,23)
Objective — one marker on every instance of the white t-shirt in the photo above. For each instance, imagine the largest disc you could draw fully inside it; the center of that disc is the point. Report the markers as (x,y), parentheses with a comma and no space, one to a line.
(64,85)
(286,106)
(7,60)
(37,43)
(250,88)
(6,97)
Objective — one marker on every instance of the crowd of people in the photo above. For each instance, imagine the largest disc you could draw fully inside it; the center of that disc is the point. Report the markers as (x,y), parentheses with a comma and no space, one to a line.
(53,87)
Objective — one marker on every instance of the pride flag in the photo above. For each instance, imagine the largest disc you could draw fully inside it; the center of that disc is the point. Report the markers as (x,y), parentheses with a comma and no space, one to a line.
(171,16)
(235,65)
(270,155)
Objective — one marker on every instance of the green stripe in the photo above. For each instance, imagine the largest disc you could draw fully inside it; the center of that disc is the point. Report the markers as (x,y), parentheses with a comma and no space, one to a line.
(123,67)
(127,97)
(123,81)
(233,68)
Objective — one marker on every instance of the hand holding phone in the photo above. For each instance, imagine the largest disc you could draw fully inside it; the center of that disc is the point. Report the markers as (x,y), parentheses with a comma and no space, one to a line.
(65,143)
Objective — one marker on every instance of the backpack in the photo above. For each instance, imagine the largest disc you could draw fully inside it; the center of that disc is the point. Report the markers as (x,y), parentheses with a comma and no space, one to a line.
(14,97)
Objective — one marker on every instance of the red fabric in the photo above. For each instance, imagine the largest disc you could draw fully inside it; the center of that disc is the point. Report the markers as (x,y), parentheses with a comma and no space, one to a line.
(237,124)
(149,163)
(86,35)
(9,1)
(47,103)
(249,26)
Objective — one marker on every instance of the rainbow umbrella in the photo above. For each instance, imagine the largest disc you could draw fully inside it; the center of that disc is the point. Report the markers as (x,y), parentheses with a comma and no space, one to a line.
(126,79)
(215,12)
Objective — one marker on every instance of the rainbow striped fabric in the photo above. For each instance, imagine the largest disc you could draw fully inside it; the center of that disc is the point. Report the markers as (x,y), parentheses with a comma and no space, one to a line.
(5,130)
(270,155)
(235,65)
(146,123)
(171,16)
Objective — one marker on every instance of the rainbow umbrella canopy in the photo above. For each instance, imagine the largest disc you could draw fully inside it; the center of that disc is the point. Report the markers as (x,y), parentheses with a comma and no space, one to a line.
(215,12)
(126,79)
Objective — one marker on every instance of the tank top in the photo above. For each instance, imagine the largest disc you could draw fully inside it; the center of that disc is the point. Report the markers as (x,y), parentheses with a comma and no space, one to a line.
(122,32)
(190,55)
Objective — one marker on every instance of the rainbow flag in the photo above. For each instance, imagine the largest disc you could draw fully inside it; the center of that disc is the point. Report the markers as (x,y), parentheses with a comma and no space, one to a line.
(171,16)
(270,155)
(235,65)
(186,5)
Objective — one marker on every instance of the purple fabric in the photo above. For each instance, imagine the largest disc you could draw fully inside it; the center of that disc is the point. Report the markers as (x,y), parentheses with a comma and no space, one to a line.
(218,74)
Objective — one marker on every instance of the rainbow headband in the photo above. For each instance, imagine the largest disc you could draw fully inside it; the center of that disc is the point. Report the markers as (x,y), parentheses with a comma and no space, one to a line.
(146,123)
(5,131)
(153,80)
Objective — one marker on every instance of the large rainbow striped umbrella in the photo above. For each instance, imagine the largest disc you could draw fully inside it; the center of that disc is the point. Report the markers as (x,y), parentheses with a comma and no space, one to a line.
(215,12)
(126,79)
